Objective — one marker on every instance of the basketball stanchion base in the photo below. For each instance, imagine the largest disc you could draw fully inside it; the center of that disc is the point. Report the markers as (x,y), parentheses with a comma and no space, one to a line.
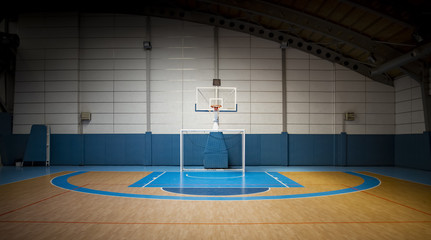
(208,131)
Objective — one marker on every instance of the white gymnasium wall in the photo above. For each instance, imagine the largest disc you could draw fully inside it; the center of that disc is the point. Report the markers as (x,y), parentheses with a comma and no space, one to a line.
(409,115)
(112,73)
(46,90)
(320,92)
(182,59)
(253,65)
(69,64)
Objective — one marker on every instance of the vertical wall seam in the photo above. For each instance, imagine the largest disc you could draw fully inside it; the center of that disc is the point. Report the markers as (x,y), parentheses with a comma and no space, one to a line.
(182,75)
(334,142)
(148,74)
(334,100)
(44,81)
(113,79)
(426,98)
(80,127)
(148,135)
(411,105)
(283,89)
(249,71)
(366,104)
(44,86)
(216,52)
(309,93)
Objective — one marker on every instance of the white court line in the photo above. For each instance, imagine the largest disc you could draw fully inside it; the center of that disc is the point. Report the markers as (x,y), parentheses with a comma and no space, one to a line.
(153,179)
(187,175)
(277,180)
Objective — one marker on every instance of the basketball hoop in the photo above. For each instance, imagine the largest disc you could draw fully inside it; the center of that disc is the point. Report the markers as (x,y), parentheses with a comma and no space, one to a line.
(222,99)
(216,107)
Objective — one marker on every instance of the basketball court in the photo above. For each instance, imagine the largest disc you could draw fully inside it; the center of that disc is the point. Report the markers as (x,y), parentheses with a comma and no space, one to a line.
(216,120)
(213,195)
(98,204)
(220,198)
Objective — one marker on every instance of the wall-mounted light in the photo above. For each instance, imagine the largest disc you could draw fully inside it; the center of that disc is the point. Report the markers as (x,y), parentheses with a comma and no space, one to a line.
(147,45)
(349,116)
(85,116)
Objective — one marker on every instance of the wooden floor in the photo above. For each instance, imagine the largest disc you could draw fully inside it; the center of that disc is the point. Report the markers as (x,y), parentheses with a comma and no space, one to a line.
(35,209)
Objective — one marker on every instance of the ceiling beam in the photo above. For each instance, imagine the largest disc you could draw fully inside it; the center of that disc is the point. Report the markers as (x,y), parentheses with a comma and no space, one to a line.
(343,35)
(272,35)
(306,21)
(402,60)
(159,9)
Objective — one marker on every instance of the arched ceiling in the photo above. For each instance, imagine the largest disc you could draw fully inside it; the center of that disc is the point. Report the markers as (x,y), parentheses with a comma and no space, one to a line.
(380,39)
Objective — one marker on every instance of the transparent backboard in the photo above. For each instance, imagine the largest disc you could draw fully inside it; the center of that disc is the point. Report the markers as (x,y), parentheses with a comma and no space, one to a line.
(222,97)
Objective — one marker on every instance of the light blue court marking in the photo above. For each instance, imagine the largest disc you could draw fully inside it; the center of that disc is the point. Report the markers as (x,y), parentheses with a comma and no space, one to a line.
(147,180)
(369,182)
(215,180)
(283,179)
(215,191)
(215,183)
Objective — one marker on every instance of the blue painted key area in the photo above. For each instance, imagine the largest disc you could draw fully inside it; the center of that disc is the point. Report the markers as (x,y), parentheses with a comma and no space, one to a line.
(215,183)
(215,191)
(215,180)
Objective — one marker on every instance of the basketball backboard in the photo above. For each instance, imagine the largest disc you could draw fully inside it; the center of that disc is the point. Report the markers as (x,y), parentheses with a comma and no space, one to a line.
(224,98)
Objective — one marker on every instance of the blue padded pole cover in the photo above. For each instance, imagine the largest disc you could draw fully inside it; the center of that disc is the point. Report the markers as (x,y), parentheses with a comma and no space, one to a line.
(216,154)
(35,150)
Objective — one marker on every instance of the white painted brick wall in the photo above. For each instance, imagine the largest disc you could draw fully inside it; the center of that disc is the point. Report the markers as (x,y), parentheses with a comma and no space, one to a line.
(319,93)
(63,70)
(409,115)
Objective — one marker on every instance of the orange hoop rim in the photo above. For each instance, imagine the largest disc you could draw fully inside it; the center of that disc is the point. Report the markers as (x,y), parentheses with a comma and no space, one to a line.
(216,107)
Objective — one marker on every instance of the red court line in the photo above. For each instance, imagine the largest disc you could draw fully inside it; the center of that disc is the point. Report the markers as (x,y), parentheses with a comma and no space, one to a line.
(392,201)
(31,204)
(207,223)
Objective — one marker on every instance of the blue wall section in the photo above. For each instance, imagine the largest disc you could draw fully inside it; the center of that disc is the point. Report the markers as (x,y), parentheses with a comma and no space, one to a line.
(6,140)
(95,149)
(5,137)
(12,148)
(265,149)
(130,149)
(67,149)
(19,142)
(312,149)
(341,149)
(5,124)
(166,150)
(370,150)
(114,149)
(98,149)
(413,150)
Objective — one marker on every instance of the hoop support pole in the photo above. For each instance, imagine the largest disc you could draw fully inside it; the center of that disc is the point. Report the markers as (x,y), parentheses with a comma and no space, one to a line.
(242,131)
